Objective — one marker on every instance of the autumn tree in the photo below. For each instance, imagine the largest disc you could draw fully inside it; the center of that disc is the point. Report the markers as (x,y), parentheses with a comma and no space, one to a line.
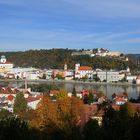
(20,103)
(28,115)
(128,110)
(45,115)
(125,94)
(62,94)
(60,77)
(70,110)
(62,116)
(100,94)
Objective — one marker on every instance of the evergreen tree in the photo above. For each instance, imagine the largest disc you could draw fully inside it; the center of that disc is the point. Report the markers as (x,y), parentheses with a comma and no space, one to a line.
(20,104)
(90,98)
(74,92)
(14,129)
(92,131)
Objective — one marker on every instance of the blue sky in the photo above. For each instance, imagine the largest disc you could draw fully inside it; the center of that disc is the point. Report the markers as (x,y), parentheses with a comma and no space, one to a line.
(45,24)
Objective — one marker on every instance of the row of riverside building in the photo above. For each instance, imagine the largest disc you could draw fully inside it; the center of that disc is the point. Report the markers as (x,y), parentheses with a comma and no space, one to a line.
(7,70)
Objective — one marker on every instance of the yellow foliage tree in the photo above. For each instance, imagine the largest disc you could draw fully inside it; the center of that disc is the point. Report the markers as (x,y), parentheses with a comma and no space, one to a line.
(70,110)
(46,115)
(62,115)
(62,94)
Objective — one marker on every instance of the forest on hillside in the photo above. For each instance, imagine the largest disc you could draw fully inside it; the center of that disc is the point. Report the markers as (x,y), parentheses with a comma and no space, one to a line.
(136,56)
(56,58)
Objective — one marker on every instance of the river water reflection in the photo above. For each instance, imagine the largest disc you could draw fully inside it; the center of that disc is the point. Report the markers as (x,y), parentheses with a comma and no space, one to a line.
(108,89)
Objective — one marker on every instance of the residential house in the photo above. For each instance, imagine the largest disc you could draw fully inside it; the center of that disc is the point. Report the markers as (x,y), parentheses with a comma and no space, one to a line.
(32,101)
(120,99)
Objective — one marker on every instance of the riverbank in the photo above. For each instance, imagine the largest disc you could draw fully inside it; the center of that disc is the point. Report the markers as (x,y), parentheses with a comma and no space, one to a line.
(108,89)
(72,81)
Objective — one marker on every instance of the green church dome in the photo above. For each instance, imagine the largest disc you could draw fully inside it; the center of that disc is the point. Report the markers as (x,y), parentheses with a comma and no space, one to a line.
(3,57)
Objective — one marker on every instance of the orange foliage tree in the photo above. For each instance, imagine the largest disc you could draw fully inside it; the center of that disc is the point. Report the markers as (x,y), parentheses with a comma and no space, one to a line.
(62,115)
(62,94)
(70,111)
(45,115)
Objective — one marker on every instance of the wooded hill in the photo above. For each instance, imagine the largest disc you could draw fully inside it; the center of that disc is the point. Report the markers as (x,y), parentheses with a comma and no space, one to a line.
(136,56)
(55,58)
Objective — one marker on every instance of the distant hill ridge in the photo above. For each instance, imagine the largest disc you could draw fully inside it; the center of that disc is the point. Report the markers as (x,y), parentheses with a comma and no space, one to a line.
(56,58)
(136,56)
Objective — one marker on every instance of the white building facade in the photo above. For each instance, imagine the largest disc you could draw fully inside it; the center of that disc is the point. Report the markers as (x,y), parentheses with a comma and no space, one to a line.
(83,71)
(110,76)
(5,64)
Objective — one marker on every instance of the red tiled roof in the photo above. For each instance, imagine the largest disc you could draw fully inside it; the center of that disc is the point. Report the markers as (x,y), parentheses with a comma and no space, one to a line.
(89,110)
(32,98)
(8,90)
(10,97)
(120,100)
(85,68)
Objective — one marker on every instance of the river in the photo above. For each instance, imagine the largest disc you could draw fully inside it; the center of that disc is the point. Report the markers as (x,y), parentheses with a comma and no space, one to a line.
(108,89)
